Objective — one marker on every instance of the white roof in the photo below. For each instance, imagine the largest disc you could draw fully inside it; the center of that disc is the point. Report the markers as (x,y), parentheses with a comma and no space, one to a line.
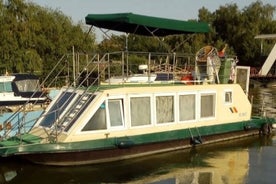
(266,36)
(4,78)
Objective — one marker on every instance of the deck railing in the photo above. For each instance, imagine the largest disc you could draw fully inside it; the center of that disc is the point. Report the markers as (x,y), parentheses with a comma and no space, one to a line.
(88,71)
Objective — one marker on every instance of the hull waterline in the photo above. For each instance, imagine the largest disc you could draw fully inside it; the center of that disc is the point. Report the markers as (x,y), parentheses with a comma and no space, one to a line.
(83,157)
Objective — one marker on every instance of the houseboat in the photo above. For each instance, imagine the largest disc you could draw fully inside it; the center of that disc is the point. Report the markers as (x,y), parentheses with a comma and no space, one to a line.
(115,120)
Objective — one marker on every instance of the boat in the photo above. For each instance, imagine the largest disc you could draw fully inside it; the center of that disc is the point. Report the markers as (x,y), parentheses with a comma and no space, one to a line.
(108,121)
(19,89)
(21,98)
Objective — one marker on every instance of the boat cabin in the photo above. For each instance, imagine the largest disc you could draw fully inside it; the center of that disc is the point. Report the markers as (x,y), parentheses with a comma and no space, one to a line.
(137,109)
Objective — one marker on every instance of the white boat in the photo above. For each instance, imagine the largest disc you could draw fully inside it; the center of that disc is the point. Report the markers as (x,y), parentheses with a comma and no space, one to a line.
(19,89)
(116,121)
(21,98)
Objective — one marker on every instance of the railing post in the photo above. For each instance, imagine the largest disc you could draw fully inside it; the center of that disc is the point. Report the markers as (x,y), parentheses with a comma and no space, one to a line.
(108,60)
(123,63)
(174,66)
(98,69)
(149,58)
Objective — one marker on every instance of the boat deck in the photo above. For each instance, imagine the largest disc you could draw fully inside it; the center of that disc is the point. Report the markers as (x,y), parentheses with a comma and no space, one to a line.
(23,139)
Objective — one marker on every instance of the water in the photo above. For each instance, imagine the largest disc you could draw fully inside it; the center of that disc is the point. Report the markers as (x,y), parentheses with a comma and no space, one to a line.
(249,160)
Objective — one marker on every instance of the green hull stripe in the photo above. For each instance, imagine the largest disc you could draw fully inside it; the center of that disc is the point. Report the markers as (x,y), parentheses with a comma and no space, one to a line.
(12,146)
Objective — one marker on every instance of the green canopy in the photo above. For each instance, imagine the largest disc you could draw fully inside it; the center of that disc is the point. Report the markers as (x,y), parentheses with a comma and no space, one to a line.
(145,25)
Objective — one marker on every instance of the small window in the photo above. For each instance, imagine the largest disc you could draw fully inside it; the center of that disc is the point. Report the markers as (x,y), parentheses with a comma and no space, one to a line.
(140,109)
(115,113)
(5,87)
(164,109)
(207,105)
(187,106)
(28,85)
(57,109)
(98,120)
(228,97)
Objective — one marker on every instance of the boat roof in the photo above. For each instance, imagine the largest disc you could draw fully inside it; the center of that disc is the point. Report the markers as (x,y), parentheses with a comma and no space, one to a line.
(145,25)
(18,77)
(266,36)
(24,76)
(6,78)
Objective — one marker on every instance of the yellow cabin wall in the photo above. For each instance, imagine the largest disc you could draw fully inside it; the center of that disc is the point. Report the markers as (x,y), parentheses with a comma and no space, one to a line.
(222,114)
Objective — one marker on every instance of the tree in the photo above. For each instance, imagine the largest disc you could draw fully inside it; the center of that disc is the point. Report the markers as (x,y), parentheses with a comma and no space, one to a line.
(33,38)
(239,27)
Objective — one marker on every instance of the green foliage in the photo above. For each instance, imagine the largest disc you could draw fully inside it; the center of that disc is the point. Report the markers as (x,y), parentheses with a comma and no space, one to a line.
(239,27)
(33,38)
(134,62)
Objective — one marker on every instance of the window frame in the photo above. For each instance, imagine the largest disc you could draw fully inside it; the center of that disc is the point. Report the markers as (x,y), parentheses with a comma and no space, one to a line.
(61,115)
(122,112)
(231,97)
(207,93)
(88,118)
(6,87)
(174,108)
(195,108)
(151,111)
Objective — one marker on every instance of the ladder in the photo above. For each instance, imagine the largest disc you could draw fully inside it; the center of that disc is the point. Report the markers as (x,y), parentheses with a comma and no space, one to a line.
(75,109)
(195,140)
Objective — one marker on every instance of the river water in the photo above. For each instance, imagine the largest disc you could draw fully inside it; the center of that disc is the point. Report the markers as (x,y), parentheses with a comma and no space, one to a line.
(249,160)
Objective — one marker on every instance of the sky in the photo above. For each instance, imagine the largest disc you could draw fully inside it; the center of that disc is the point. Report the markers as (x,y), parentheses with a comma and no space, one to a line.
(174,9)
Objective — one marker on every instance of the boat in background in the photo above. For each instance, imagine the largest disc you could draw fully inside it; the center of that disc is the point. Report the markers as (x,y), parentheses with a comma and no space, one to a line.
(21,99)
(105,121)
(19,89)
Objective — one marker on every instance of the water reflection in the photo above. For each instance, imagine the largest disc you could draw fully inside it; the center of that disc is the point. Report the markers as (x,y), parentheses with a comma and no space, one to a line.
(264,100)
(220,163)
(262,162)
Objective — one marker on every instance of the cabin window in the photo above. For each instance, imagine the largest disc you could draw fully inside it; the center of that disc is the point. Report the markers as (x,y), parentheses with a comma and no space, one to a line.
(228,97)
(27,85)
(115,113)
(164,109)
(98,120)
(187,104)
(76,110)
(140,109)
(207,106)
(58,108)
(5,87)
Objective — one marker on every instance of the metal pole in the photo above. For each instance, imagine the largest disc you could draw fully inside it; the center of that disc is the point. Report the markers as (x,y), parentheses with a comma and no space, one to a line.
(149,67)
(74,68)
(126,50)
